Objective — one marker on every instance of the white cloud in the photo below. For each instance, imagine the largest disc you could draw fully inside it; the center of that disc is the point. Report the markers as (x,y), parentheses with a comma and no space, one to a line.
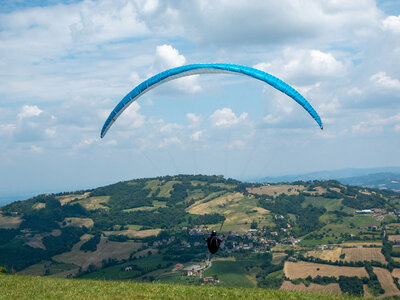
(306,66)
(131,118)
(50,132)
(85,143)
(385,81)
(197,135)
(392,23)
(170,141)
(329,107)
(7,129)
(170,128)
(28,111)
(236,144)
(354,91)
(226,118)
(168,57)
(194,120)
(376,124)
(107,21)
(244,23)
(36,149)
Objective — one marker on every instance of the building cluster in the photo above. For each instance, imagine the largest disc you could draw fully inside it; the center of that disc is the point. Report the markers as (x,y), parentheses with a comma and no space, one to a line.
(210,280)
(376,211)
(323,247)
(164,242)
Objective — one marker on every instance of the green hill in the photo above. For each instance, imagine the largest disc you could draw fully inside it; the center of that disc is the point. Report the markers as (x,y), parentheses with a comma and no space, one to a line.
(315,236)
(24,287)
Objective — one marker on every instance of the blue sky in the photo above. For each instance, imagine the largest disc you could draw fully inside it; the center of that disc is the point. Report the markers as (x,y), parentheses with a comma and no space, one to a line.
(64,65)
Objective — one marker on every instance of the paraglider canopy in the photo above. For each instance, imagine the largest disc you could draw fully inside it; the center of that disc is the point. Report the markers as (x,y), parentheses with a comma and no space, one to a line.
(194,69)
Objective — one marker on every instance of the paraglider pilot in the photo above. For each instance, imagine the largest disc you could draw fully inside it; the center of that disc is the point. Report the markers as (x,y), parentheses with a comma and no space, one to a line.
(213,242)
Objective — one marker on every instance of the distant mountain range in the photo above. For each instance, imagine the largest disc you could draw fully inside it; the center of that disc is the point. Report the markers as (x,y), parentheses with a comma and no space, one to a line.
(383,178)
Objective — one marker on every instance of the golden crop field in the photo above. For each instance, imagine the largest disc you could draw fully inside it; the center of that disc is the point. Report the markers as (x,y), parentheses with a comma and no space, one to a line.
(274,190)
(135,233)
(332,255)
(303,269)
(386,280)
(201,208)
(360,244)
(68,198)
(79,222)
(36,242)
(351,254)
(39,205)
(396,273)
(330,289)
(7,222)
(318,191)
(93,203)
(105,249)
(361,254)
(394,237)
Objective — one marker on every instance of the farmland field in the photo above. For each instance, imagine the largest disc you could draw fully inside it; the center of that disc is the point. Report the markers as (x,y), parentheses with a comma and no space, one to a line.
(330,289)
(50,268)
(394,237)
(68,198)
(118,272)
(230,273)
(332,255)
(329,204)
(303,269)
(94,203)
(134,233)
(274,190)
(79,222)
(105,249)
(386,280)
(350,254)
(361,254)
(7,222)
(396,273)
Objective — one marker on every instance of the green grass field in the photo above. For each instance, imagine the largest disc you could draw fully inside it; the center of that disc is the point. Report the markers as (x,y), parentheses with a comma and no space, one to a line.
(230,273)
(117,272)
(25,287)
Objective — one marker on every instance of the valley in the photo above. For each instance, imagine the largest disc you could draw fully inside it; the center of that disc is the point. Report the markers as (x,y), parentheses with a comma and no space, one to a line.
(319,236)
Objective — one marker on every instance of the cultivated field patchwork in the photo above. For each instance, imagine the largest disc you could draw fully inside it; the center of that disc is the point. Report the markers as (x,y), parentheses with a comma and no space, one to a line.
(303,269)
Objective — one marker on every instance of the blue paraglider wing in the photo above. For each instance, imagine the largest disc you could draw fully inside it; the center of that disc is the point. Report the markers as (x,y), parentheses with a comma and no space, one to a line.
(194,69)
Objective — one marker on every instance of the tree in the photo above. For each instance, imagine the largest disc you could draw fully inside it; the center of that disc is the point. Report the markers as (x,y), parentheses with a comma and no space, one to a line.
(254,224)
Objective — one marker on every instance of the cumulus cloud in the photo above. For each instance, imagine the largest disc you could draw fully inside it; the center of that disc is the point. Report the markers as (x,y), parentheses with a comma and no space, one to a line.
(383,80)
(169,141)
(168,57)
(392,23)
(196,135)
(131,118)
(28,111)
(247,23)
(194,120)
(226,118)
(305,66)
(36,149)
(376,123)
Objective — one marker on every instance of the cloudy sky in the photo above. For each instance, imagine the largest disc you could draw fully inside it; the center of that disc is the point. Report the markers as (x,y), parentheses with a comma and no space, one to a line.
(64,65)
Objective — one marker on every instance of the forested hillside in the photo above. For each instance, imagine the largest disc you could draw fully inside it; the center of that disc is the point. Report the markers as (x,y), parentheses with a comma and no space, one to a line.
(153,230)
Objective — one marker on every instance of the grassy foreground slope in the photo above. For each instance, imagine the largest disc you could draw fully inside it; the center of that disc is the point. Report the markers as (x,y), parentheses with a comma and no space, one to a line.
(28,287)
